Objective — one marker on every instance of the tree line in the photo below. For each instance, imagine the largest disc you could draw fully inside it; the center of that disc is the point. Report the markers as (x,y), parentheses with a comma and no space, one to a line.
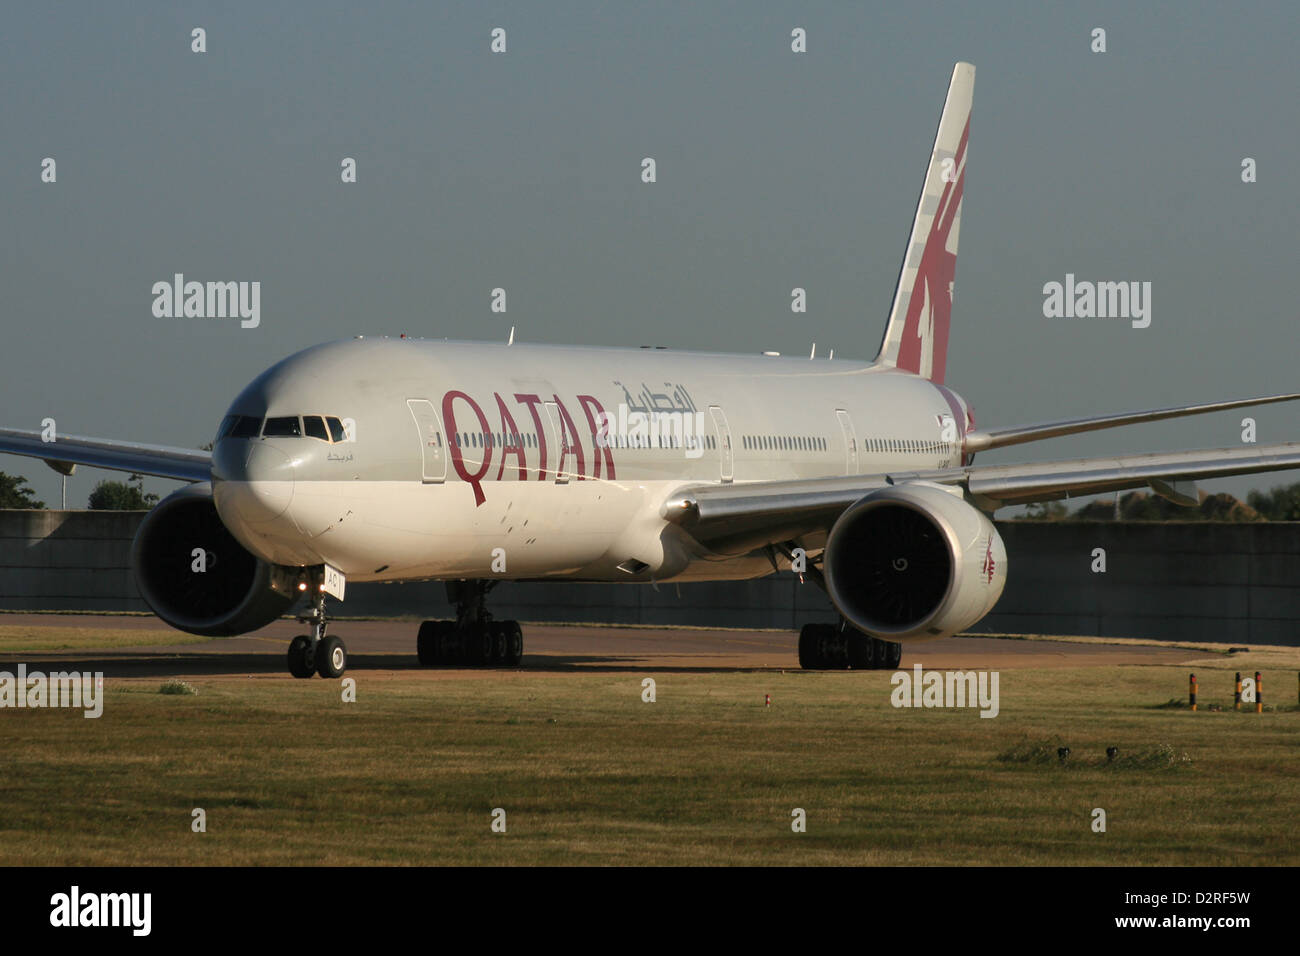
(1277,504)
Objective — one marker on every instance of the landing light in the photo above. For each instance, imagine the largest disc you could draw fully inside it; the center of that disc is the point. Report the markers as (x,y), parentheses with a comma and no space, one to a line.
(302,585)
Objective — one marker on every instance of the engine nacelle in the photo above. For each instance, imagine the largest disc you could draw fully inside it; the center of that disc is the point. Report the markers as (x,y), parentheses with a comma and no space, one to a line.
(224,591)
(914,562)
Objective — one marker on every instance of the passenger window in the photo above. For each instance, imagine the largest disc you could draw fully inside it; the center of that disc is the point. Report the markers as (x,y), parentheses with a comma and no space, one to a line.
(314,427)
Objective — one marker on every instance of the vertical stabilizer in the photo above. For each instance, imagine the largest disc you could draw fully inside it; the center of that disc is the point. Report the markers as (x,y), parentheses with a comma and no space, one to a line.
(916,339)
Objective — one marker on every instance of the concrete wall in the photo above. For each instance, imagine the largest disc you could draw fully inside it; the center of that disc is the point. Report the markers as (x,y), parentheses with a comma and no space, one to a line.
(1188,581)
(1194,581)
(68,560)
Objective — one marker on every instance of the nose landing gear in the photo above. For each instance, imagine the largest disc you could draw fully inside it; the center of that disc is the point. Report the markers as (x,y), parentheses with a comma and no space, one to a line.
(316,653)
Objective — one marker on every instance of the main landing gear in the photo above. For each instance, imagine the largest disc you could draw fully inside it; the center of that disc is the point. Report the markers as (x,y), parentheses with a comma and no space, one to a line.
(827,647)
(474,638)
(315,653)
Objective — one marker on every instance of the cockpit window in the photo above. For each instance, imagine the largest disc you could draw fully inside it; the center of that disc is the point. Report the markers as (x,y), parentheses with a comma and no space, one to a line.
(287,426)
(244,426)
(313,426)
(282,427)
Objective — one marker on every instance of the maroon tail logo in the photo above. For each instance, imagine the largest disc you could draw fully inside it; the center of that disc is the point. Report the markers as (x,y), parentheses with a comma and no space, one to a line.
(933,286)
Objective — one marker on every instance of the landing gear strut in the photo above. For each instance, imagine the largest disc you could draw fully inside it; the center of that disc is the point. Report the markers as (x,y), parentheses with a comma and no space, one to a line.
(825,647)
(315,652)
(474,638)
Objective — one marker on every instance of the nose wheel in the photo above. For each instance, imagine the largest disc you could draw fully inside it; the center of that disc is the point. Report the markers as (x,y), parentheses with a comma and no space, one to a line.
(302,656)
(317,653)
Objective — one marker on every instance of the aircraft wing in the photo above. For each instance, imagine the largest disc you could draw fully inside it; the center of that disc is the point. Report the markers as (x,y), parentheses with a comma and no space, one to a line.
(748,515)
(983,440)
(161,461)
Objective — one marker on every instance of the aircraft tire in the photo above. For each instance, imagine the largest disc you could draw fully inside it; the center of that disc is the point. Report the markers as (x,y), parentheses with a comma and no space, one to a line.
(427,643)
(331,658)
(817,648)
(497,630)
(302,662)
(514,644)
(478,644)
(862,651)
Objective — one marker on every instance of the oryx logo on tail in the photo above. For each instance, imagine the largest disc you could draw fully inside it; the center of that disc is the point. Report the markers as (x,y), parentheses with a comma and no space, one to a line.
(916,338)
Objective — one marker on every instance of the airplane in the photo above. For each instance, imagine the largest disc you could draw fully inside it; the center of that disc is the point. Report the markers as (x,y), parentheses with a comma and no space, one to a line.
(401,459)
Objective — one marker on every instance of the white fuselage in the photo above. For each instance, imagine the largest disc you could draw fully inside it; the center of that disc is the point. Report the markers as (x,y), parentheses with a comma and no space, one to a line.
(471,460)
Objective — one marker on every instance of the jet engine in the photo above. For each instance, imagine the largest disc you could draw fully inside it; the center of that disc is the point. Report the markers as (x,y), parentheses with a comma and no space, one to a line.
(914,562)
(195,576)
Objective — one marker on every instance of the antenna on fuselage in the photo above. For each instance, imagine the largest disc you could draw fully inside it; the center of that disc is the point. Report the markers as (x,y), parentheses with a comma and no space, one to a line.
(511,340)
(832,355)
(813,353)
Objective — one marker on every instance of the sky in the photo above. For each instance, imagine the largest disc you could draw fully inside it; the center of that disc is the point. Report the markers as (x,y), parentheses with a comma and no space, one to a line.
(522,170)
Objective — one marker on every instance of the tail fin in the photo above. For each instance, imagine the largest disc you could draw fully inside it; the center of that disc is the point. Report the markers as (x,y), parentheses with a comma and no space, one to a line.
(916,339)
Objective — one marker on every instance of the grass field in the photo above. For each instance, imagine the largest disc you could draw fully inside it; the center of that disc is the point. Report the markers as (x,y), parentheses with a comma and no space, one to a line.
(589,774)
(21,639)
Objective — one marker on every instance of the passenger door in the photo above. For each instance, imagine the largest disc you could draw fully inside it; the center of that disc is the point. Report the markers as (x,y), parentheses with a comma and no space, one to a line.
(726,457)
(850,442)
(433,448)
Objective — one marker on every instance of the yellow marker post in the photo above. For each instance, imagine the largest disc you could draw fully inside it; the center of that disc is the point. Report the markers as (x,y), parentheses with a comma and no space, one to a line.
(1191,691)
(1259,693)
(1236,700)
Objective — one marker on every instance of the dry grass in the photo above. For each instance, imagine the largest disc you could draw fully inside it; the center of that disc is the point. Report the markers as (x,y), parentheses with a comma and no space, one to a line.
(22,639)
(588,774)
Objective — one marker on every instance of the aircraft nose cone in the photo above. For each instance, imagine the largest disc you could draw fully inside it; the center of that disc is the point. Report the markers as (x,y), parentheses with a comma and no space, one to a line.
(267,488)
